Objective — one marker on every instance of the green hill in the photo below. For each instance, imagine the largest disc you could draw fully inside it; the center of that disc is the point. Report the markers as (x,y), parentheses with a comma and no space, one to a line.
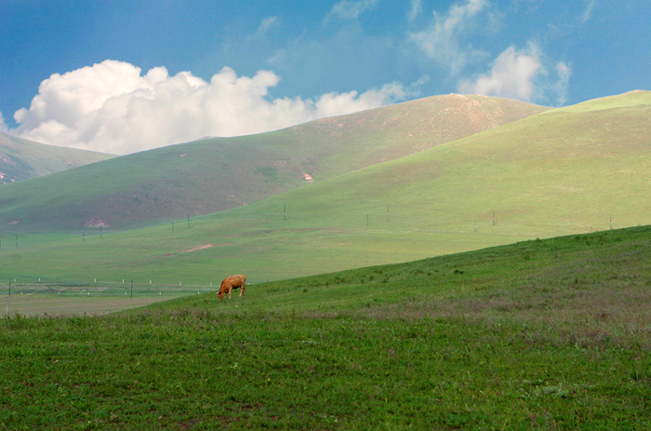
(573,170)
(216,174)
(549,334)
(22,159)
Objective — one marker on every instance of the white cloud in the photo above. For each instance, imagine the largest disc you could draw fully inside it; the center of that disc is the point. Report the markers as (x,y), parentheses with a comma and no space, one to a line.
(111,107)
(333,104)
(511,76)
(559,89)
(415,11)
(587,12)
(266,25)
(521,75)
(3,126)
(350,9)
(441,41)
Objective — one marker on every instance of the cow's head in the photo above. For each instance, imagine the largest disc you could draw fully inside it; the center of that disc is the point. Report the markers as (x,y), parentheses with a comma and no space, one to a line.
(220,295)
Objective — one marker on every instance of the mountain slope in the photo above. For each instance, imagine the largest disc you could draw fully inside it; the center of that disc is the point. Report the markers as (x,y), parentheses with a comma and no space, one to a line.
(216,174)
(22,159)
(561,172)
(569,167)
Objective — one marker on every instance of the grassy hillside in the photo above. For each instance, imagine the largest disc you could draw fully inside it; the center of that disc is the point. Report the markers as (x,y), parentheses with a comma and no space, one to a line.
(217,174)
(552,174)
(21,159)
(545,334)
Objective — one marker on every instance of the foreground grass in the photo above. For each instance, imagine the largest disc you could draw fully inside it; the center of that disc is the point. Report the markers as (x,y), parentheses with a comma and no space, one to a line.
(540,335)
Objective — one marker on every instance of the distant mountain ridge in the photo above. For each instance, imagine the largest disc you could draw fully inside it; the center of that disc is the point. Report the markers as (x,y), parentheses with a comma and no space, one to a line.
(22,159)
(210,175)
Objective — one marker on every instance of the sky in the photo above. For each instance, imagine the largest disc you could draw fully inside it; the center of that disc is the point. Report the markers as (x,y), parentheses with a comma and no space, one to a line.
(124,76)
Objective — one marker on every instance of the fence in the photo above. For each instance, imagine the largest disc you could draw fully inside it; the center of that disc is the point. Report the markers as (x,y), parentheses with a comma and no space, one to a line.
(124,288)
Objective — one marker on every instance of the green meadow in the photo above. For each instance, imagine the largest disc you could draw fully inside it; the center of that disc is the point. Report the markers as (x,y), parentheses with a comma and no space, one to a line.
(22,159)
(216,174)
(479,280)
(578,169)
(543,334)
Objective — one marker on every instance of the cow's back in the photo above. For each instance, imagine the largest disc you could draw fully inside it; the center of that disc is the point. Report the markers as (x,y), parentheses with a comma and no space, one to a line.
(236,280)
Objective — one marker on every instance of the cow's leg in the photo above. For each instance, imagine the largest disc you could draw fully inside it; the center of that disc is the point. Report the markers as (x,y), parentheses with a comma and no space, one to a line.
(229,293)
(242,290)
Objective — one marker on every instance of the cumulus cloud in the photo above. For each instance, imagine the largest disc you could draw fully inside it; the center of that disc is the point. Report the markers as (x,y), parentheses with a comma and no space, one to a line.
(511,76)
(112,107)
(521,75)
(441,41)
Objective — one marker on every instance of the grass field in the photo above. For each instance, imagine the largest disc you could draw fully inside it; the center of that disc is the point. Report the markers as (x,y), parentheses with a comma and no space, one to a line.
(573,170)
(544,334)
(63,298)
(51,305)
(216,174)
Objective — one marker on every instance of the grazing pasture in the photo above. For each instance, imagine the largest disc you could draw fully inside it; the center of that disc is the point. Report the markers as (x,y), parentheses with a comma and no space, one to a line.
(545,335)
(564,171)
(50,297)
(44,305)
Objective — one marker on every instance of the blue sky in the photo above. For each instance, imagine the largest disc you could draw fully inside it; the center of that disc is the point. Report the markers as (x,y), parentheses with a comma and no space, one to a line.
(124,76)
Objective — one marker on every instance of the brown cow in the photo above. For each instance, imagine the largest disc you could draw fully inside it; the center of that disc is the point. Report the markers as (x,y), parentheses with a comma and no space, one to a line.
(230,283)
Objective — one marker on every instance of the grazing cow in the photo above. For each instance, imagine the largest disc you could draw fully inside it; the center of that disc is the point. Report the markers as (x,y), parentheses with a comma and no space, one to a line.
(230,283)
